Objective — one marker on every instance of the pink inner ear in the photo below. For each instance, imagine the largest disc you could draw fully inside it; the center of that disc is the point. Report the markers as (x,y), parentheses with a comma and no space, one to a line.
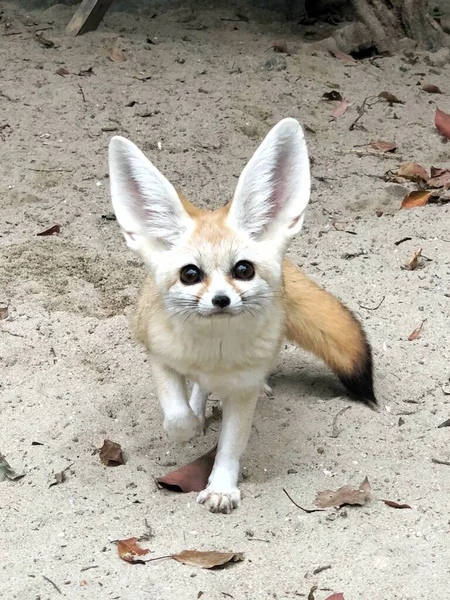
(279,177)
(294,221)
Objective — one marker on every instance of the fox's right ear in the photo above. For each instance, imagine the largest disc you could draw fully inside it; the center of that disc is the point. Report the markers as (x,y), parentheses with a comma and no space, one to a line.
(145,203)
(273,190)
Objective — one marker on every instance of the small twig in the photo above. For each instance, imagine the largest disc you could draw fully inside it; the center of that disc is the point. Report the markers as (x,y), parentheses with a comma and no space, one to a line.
(253,539)
(335,431)
(57,170)
(363,109)
(12,333)
(307,510)
(28,31)
(87,568)
(82,93)
(438,461)
(53,583)
(320,569)
(374,307)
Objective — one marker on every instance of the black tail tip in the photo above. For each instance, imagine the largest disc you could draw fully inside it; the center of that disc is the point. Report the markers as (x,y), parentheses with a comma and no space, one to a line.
(359,383)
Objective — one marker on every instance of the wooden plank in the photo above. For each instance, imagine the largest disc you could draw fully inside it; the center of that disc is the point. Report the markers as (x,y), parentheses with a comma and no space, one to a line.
(88,16)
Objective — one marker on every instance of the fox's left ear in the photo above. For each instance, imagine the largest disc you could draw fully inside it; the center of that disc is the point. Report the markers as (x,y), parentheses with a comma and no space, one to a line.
(146,204)
(273,190)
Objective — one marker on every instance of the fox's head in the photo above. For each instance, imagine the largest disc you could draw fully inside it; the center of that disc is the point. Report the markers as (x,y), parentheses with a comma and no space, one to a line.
(227,262)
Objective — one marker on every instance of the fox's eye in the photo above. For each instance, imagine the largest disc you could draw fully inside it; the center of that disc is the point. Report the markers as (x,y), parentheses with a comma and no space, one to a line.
(243,270)
(190,274)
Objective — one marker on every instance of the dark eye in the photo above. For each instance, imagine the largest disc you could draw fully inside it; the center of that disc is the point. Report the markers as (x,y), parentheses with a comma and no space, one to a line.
(243,270)
(190,274)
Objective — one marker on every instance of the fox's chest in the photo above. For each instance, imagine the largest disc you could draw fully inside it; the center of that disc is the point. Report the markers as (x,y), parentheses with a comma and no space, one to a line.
(224,358)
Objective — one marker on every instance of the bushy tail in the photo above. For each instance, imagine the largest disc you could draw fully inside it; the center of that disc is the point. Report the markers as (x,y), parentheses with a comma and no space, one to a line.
(321,324)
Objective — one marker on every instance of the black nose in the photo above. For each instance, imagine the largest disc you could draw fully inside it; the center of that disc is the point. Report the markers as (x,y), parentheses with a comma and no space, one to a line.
(221,301)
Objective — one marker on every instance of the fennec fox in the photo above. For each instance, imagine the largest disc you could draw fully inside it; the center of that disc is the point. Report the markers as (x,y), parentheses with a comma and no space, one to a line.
(221,299)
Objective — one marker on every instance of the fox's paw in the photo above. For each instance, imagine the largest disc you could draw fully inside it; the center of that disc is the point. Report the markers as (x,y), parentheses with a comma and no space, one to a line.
(183,429)
(220,501)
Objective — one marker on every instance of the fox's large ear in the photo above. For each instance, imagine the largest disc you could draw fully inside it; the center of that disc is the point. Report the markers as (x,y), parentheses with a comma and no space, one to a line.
(273,189)
(145,203)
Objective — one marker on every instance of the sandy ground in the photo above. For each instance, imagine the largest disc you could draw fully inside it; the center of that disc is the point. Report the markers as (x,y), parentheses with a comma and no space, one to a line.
(70,375)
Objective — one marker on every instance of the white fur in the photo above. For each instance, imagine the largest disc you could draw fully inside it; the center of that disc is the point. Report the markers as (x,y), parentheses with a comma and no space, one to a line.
(273,190)
(147,206)
(229,353)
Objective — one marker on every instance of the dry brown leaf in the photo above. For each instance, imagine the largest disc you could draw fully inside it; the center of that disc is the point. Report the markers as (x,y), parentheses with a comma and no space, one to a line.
(414,261)
(384,146)
(390,98)
(111,454)
(117,55)
(6,472)
(130,551)
(344,495)
(280,46)
(413,171)
(340,110)
(207,560)
(51,230)
(44,41)
(414,199)
(332,96)
(431,89)
(63,72)
(338,596)
(442,122)
(4,312)
(439,178)
(416,333)
(342,56)
(393,504)
(192,477)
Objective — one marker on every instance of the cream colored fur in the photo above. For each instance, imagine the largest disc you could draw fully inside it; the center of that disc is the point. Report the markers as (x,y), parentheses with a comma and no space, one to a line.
(228,351)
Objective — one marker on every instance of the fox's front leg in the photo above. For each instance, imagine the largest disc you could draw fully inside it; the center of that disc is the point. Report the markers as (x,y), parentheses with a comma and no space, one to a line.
(180,422)
(222,493)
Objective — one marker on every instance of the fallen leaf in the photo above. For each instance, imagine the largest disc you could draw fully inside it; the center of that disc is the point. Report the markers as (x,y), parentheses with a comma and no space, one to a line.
(280,46)
(86,72)
(192,477)
(338,596)
(4,312)
(6,472)
(384,146)
(416,333)
(413,262)
(439,178)
(342,56)
(130,551)
(63,72)
(431,89)
(340,110)
(445,423)
(390,98)
(83,582)
(117,55)
(59,477)
(442,122)
(44,41)
(333,95)
(414,199)
(142,77)
(51,231)
(413,171)
(344,495)
(207,560)
(111,454)
(393,504)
